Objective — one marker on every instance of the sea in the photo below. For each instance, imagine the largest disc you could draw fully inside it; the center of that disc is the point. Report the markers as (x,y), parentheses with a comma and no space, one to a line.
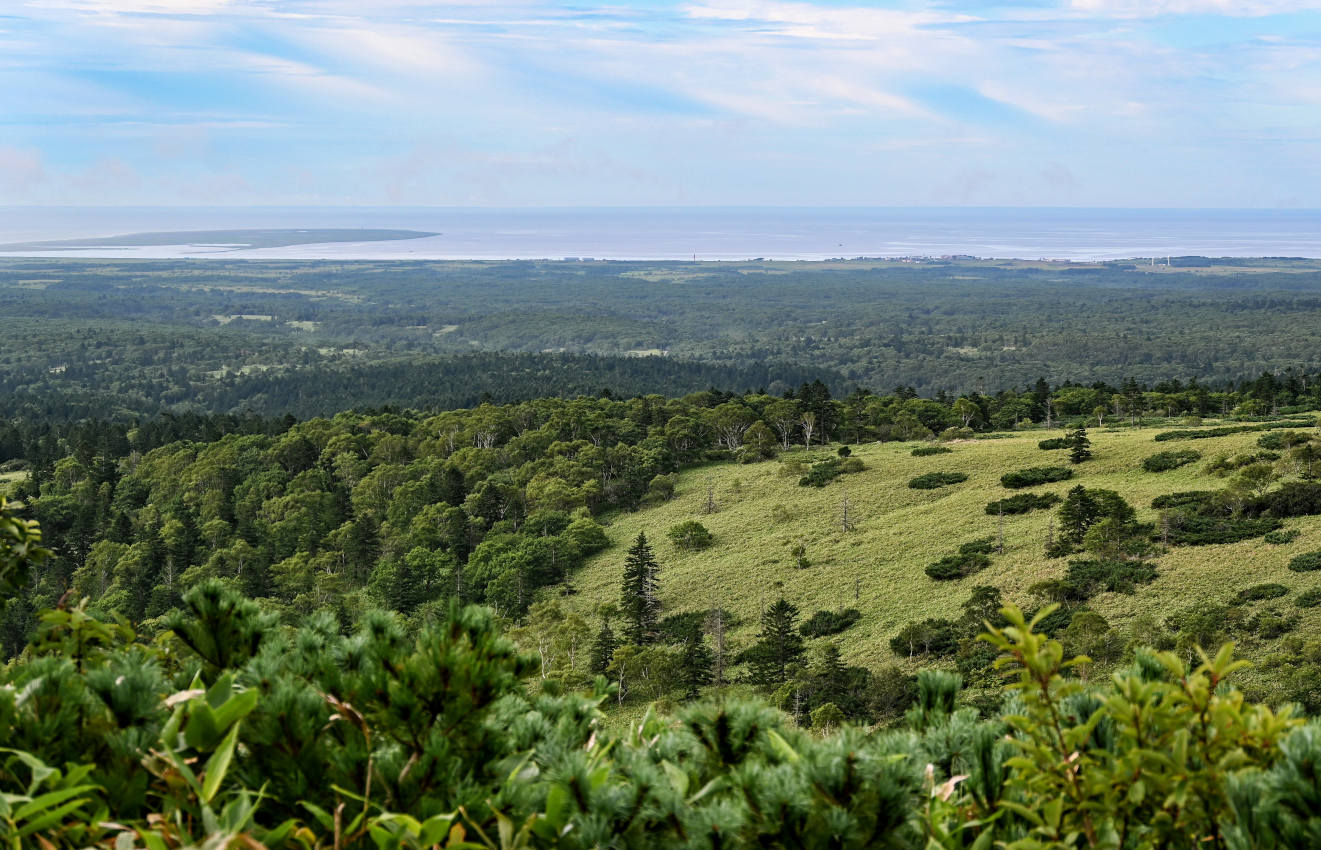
(704,233)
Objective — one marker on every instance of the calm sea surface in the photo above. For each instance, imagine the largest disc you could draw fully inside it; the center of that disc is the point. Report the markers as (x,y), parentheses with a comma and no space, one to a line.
(702,233)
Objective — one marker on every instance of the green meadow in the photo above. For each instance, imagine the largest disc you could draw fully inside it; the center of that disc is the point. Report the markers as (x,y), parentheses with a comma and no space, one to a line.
(877,566)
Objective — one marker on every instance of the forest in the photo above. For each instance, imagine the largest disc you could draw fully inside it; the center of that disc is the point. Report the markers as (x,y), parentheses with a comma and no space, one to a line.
(98,338)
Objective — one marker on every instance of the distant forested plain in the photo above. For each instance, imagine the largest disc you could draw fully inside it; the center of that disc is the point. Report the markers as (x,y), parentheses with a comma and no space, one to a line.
(126,338)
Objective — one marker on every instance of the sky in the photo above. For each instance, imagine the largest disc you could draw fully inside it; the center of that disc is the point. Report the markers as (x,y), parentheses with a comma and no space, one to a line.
(1125,103)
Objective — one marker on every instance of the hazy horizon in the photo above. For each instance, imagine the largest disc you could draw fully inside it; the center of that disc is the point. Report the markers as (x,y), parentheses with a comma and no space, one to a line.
(670,233)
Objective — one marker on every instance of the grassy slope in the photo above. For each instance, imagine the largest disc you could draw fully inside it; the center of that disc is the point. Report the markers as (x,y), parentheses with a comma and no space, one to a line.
(763,512)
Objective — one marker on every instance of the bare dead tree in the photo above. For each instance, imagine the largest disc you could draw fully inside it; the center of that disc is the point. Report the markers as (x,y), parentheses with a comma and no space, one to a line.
(710,506)
(845,521)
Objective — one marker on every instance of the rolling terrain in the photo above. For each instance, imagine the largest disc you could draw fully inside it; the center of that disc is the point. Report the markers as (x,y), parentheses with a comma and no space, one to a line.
(763,512)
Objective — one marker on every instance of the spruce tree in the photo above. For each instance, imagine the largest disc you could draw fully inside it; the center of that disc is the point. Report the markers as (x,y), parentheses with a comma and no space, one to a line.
(695,665)
(603,649)
(779,645)
(1078,513)
(639,602)
(1080,448)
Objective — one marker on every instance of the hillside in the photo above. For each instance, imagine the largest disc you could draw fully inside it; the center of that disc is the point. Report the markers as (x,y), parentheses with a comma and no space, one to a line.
(762,512)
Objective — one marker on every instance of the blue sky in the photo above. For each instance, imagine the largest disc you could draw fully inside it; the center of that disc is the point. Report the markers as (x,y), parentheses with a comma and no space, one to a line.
(1155,103)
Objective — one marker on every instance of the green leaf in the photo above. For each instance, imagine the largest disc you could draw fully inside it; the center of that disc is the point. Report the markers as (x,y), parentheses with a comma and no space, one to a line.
(50,799)
(782,747)
(50,818)
(218,765)
(557,799)
(678,778)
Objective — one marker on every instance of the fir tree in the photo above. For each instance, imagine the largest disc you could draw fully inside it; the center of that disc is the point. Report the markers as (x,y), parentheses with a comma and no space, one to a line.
(695,665)
(638,601)
(1080,448)
(779,645)
(1078,513)
(603,649)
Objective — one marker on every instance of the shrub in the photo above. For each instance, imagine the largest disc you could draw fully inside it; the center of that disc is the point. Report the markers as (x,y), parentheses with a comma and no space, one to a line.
(1035,475)
(1306,562)
(929,637)
(936,480)
(1054,443)
(1022,503)
(1088,578)
(1163,461)
(852,464)
(1309,598)
(1271,624)
(1271,441)
(690,535)
(1187,529)
(957,566)
(1225,431)
(971,558)
(824,623)
(1283,535)
(822,473)
(1258,592)
(1187,499)
(1296,498)
(927,451)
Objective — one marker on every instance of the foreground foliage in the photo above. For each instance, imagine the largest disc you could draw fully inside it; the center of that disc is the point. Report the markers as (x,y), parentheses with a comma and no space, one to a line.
(233,732)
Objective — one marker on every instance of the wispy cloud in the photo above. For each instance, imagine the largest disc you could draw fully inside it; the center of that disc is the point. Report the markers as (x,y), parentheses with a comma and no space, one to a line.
(639,101)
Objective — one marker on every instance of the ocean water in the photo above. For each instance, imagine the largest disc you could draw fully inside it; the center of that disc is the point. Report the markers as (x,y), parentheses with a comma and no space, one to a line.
(698,233)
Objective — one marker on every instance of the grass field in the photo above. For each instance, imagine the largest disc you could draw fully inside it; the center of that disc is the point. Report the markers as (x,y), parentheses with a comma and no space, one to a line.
(763,512)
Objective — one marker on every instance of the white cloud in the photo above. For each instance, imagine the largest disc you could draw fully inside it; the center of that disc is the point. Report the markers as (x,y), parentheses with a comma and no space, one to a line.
(805,20)
(1157,8)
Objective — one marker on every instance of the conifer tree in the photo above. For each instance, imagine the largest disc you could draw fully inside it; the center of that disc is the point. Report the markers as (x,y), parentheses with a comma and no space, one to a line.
(1080,448)
(695,665)
(603,649)
(779,645)
(639,602)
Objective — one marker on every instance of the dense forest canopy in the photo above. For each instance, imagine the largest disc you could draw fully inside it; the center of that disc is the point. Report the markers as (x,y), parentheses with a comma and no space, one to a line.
(86,338)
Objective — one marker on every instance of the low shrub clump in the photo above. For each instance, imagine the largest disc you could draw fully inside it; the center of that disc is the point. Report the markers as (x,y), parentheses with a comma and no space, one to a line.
(1187,529)
(1258,592)
(824,623)
(936,480)
(1296,498)
(1035,475)
(1306,562)
(1309,598)
(1055,443)
(823,472)
(1022,503)
(1187,499)
(927,451)
(1283,535)
(1226,430)
(1163,461)
(690,535)
(971,558)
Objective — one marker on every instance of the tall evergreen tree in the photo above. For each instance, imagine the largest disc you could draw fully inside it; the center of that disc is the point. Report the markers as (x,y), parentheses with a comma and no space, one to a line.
(1080,448)
(639,601)
(695,665)
(779,644)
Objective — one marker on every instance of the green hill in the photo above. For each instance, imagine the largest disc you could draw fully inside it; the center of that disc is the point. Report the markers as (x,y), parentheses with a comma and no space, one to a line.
(878,567)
